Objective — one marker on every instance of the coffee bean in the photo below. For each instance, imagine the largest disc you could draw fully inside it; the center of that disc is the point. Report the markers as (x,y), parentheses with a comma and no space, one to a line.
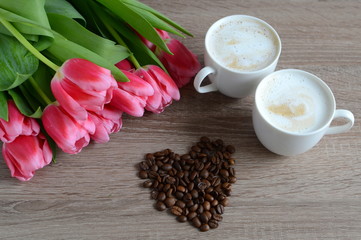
(225,202)
(190,204)
(231,149)
(224,173)
(206,205)
(160,206)
(191,187)
(180,204)
(205,139)
(193,208)
(208,214)
(214,203)
(231,161)
(217,217)
(209,197)
(220,209)
(170,180)
(182,218)
(213,223)
(191,215)
(170,192)
(196,222)
(143,165)
(149,156)
(148,183)
(204,173)
(179,195)
(154,168)
(185,157)
(194,186)
(161,196)
(170,201)
(200,209)
(143,174)
(154,194)
(194,194)
(201,186)
(177,211)
(167,167)
(204,228)
(232,179)
(187,197)
(181,189)
(193,175)
(153,174)
(204,218)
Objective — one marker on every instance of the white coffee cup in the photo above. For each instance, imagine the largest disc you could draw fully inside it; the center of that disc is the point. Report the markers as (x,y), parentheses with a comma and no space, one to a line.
(240,51)
(293,110)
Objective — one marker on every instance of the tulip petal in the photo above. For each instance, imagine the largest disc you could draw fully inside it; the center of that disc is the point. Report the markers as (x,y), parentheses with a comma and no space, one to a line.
(25,155)
(70,134)
(17,124)
(136,85)
(128,103)
(87,75)
(165,80)
(68,103)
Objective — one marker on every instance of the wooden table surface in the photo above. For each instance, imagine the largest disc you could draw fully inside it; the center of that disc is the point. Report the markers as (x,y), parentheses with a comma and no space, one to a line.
(96,194)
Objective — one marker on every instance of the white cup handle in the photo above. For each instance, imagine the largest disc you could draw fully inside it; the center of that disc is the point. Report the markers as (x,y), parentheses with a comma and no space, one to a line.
(201,75)
(341,113)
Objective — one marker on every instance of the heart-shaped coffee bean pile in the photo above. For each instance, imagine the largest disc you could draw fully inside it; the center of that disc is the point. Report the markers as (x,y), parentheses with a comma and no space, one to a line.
(193,186)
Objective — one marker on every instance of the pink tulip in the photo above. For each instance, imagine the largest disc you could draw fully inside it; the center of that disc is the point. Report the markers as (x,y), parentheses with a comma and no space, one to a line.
(80,86)
(25,155)
(162,34)
(106,122)
(165,90)
(130,97)
(70,134)
(183,65)
(17,124)
(124,65)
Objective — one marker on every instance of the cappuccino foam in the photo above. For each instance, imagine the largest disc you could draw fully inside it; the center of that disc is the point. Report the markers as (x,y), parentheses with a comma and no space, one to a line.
(244,45)
(293,102)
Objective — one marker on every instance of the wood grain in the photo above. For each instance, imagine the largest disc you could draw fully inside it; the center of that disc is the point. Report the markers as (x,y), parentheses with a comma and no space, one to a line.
(317,195)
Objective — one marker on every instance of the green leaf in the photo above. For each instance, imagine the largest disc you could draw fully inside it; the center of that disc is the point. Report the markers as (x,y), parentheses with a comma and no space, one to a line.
(143,54)
(64,49)
(3,106)
(75,32)
(29,17)
(16,63)
(22,104)
(155,21)
(64,8)
(157,14)
(136,21)
(43,76)
(30,96)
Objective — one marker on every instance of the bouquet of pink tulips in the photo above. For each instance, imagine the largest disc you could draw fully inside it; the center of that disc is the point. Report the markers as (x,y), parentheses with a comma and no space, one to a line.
(70,69)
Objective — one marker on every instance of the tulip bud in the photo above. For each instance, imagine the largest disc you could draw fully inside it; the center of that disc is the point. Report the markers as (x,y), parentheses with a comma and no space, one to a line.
(80,86)
(26,154)
(70,134)
(17,125)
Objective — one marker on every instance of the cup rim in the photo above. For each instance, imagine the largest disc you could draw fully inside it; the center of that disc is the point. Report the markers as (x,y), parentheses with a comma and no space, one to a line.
(219,21)
(314,77)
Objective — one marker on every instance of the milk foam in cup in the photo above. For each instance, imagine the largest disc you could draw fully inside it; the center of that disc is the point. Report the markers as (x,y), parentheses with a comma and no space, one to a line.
(243,45)
(293,110)
(240,50)
(293,102)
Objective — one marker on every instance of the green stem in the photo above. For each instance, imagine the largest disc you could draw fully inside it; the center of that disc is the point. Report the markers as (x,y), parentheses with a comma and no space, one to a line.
(121,42)
(27,44)
(39,91)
